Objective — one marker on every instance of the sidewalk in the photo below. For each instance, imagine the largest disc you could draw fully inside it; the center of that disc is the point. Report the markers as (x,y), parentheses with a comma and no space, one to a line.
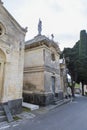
(45,109)
(32,114)
(19,118)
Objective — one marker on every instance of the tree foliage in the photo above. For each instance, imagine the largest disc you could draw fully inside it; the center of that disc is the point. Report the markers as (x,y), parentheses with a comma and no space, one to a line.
(76,59)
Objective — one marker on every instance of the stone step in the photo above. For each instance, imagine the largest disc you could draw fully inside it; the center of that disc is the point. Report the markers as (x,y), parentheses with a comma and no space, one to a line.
(57,101)
(57,104)
(2,115)
(1,108)
(2,112)
(5,114)
(30,106)
(3,118)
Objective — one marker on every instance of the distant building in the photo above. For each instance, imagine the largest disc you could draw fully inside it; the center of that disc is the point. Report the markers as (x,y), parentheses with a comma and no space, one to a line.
(41,71)
(11,60)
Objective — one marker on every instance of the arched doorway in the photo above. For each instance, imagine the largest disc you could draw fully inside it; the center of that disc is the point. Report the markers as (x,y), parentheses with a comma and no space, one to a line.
(2,69)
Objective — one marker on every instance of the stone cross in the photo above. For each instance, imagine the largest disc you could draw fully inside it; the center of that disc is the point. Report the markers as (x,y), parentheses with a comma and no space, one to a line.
(39,27)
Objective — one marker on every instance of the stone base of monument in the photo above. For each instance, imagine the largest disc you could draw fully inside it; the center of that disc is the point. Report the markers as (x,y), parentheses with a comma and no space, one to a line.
(30,106)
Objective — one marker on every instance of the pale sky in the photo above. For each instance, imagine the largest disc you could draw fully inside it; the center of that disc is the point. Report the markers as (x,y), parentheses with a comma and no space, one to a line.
(63,18)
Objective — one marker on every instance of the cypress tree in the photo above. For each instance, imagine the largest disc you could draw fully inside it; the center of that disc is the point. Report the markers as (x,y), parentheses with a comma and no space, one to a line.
(77,63)
(83,44)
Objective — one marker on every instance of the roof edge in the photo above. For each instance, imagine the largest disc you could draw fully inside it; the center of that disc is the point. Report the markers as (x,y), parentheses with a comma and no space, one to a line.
(17,25)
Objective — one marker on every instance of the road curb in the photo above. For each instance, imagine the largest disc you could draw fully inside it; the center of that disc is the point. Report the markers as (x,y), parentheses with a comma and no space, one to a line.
(59,104)
(53,106)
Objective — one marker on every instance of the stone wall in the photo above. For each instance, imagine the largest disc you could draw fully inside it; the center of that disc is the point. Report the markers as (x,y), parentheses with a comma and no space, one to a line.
(39,99)
(33,81)
(33,57)
(12,46)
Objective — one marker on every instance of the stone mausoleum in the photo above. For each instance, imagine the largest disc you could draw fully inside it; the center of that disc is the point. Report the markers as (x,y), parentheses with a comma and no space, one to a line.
(12,37)
(41,70)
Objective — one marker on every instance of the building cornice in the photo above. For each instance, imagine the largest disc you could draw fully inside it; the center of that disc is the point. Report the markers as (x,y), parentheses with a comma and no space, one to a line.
(40,41)
(12,19)
(41,69)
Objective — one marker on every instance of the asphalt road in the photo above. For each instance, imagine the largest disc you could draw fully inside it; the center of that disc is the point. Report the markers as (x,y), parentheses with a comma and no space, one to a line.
(71,116)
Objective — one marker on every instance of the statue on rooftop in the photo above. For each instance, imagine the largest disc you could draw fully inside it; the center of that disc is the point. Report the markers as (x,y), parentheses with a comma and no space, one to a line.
(52,37)
(39,27)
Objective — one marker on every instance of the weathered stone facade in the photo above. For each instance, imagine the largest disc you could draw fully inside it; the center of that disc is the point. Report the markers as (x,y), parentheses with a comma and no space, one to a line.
(41,71)
(11,60)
